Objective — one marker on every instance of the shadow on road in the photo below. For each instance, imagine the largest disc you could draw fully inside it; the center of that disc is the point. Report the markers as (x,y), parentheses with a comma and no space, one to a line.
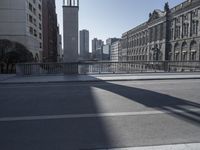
(74,134)
(51,134)
(183,109)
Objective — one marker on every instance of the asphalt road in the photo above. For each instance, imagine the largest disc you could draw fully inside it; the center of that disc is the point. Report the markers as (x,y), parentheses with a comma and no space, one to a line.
(85,116)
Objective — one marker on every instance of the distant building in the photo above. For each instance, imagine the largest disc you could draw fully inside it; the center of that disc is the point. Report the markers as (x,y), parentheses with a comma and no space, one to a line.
(107,48)
(97,46)
(50,30)
(172,34)
(99,53)
(21,21)
(115,50)
(90,56)
(84,44)
(106,52)
(110,41)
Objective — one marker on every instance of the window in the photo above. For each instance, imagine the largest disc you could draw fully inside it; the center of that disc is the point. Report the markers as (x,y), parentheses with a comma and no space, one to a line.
(34,11)
(195,13)
(178,20)
(40,26)
(185,17)
(185,29)
(40,17)
(195,24)
(177,32)
(30,18)
(40,36)
(31,30)
(172,33)
(27,17)
(193,56)
(39,6)
(184,56)
(35,33)
(30,7)
(177,57)
(34,21)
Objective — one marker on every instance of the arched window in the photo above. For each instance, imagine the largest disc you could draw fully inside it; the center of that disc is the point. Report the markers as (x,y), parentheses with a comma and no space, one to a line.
(176,52)
(169,52)
(184,51)
(193,51)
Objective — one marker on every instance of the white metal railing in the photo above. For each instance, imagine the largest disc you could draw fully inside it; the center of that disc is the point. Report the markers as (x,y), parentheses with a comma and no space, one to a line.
(106,67)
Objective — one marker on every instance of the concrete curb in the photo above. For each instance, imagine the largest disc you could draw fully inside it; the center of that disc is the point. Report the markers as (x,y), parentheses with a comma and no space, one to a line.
(189,146)
(99,80)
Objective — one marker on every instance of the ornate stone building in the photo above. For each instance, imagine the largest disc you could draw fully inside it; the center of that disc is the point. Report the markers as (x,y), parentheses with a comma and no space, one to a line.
(172,34)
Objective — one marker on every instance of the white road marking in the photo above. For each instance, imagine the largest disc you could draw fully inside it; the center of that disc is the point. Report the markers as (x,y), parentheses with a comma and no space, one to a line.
(190,146)
(100,115)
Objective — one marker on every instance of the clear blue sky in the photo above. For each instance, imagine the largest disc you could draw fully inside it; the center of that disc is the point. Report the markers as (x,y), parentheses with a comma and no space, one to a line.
(111,18)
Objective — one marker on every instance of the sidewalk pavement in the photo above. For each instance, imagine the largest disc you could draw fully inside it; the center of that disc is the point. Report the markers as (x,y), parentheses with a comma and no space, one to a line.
(189,146)
(6,76)
(13,79)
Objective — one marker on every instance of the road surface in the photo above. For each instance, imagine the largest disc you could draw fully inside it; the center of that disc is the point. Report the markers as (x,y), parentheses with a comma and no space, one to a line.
(99,115)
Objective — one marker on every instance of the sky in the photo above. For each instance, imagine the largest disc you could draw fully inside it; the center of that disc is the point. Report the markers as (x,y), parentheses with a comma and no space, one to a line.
(111,18)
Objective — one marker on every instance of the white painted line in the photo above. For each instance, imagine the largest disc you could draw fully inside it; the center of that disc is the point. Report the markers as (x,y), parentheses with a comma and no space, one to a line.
(190,146)
(100,115)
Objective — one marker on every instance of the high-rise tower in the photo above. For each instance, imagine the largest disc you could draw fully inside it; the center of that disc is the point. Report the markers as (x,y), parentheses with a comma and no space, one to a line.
(70,29)
(84,44)
(49,25)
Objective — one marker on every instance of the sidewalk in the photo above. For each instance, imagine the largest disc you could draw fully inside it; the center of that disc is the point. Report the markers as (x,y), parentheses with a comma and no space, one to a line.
(12,79)
(190,146)
(6,76)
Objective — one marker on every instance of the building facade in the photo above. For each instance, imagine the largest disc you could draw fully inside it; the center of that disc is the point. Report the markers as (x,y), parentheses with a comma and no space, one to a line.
(97,46)
(21,21)
(172,34)
(50,29)
(114,53)
(106,53)
(59,47)
(84,44)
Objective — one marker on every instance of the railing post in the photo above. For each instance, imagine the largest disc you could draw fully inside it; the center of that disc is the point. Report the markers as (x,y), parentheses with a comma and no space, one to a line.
(19,71)
(166,66)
